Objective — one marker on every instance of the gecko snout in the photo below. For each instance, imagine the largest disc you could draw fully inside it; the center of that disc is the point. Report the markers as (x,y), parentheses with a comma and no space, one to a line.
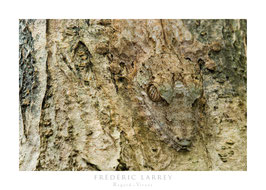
(184,143)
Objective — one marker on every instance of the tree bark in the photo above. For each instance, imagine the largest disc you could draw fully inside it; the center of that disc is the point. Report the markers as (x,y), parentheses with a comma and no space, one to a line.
(132,95)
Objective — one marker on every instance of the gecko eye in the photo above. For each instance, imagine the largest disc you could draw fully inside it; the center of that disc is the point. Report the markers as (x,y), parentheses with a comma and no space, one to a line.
(153,92)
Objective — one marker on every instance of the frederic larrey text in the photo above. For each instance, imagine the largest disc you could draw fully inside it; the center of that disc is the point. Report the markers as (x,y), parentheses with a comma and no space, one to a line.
(132,177)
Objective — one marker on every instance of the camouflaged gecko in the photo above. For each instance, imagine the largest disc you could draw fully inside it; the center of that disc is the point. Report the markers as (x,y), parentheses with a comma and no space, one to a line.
(168,81)
(169,98)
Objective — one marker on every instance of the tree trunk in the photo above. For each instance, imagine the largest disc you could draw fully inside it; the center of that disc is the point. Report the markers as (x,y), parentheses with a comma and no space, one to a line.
(132,94)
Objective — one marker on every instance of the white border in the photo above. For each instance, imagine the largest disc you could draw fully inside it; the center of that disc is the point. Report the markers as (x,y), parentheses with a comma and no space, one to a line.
(11,11)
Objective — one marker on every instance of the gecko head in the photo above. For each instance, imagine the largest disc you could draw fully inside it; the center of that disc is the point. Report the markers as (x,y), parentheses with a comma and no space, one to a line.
(172,88)
(180,115)
(175,112)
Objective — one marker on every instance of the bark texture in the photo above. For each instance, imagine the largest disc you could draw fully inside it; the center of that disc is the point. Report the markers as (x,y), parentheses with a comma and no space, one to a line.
(132,95)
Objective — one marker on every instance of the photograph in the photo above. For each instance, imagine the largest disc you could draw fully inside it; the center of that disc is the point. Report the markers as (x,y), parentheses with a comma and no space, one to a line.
(132,95)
